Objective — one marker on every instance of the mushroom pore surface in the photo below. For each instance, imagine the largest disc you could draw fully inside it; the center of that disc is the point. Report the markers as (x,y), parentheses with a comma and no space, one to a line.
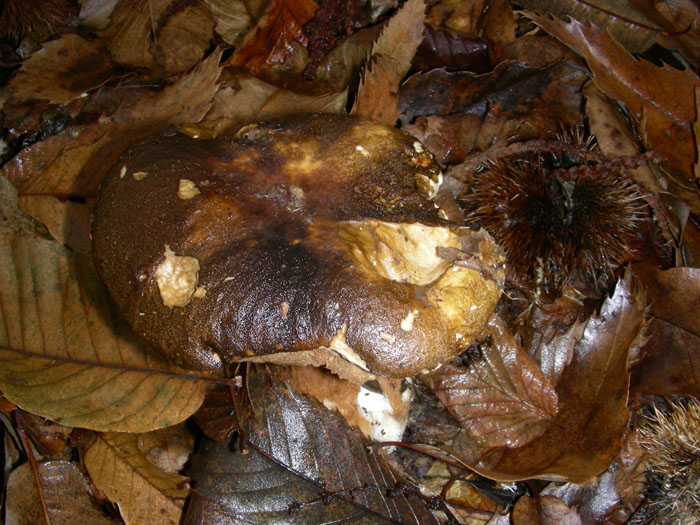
(304,233)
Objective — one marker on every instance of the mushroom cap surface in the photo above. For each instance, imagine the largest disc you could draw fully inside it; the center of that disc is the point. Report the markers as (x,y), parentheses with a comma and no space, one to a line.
(303,233)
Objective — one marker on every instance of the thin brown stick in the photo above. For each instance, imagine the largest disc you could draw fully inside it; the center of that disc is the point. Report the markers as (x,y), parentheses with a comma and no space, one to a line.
(32,462)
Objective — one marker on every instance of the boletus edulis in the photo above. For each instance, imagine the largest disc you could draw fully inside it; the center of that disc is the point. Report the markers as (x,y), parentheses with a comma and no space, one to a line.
(308,239)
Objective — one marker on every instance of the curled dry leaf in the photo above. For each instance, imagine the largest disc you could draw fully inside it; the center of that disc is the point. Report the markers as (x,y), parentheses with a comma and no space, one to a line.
(389,62)
(165,35)
(502,397)
(545,510)
(302,463)
(65,356)
(143,492)
(587,432)
(66,493)
(661,98)
(62,71)
(234,17)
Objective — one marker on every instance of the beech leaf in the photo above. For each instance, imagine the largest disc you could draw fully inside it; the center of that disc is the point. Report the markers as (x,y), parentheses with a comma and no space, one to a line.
(302,464)
(587,432)
(502,397)
(660,97)
(143,492)
(63,70)
(234,17)
(389,62)
(66,493)
(64,355)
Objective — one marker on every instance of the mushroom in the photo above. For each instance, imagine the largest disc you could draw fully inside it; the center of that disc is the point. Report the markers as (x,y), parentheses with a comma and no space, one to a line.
(304,240)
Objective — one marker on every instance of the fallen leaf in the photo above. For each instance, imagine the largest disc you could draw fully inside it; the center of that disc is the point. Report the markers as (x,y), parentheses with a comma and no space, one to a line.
(660,98)
(167,448)
(216,417)
(669,362)
(64,354)
(165,35)
(587,432)
(389,62)
(235,17)
(544,510)
(49,438)
(65,490)
(502,397)
(301,463)
(67,221)
(61,71)
(441,48)
(275,37)
(143,492)
(250,99)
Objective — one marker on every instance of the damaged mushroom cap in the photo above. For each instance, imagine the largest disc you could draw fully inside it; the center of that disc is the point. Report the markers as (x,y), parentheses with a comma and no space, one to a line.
(304,233)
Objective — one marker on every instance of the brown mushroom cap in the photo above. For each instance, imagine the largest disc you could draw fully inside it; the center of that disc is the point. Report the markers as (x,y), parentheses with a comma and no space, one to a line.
(301,233)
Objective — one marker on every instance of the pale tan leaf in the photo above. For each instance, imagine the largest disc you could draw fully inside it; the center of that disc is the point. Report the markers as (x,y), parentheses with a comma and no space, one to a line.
(390,60)
(66,493)
(144,493)
(162,34)
(250,99)
(167,448)
(66,356)
(234,17)
(61,71)
(502,397)
(67,221)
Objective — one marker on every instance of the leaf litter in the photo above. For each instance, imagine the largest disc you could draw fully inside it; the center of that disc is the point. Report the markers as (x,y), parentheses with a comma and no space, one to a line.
(550,392)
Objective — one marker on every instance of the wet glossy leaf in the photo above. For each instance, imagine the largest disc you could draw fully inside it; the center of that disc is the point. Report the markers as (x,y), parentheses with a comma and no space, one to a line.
(587,433)
(65,490)
(143,492)
(502,397)
(304,464)
(389,62)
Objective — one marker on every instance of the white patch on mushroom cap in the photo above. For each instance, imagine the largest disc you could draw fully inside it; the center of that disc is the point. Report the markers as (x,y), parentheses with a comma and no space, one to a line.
(407,322)
(122,172)
(140,175)
(187,189)
(340,345)
(377,410)
(177,278)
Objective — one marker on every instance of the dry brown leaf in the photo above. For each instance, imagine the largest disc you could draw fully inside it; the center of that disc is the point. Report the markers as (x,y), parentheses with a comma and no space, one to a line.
(74,162)
(143,492)
(660,98)
(167,448)
(165,35)
(234,17)
(276,36)
(544,510)
(502,397)
(61,71)
(250,99)
(66,492)
(390,60)
(587,433)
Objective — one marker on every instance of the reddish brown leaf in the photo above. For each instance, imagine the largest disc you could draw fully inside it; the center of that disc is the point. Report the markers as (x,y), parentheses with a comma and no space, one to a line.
(502,397)
(662,98)
(389,62)
(587,433)
(441,48)
(302,463)
(278,32)
(61,71)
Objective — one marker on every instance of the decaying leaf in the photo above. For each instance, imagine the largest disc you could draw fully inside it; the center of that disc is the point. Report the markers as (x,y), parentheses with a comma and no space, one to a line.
(143,492)
(166,35)
(67,221)
(302,463)
(389,62)
(62,71)
(234,17)
(661,98)
(546,510)
(587,432)
(502,397)
(66,493)
(67,357)
(276,36)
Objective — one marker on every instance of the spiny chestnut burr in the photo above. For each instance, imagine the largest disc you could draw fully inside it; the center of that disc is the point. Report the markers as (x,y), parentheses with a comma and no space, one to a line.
(307,240)
(556,225)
